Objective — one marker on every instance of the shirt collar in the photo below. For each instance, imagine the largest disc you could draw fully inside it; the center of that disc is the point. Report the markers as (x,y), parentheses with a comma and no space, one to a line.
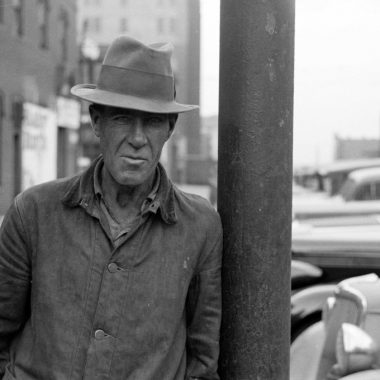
(97,172)
(98,188)
(83,188)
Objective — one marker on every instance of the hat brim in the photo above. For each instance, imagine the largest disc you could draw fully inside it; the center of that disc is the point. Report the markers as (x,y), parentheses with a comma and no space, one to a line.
(92,94)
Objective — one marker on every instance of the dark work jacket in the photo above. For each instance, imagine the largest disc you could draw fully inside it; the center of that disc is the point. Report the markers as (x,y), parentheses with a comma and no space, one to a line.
(73,306)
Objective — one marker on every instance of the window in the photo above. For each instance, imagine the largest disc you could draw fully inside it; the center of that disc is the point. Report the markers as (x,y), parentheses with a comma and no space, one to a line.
(43,22)
(92,25)
(18,10)
(64,34)
(368,191)
(347,190)
(364,193)
(123,25)
(2,5)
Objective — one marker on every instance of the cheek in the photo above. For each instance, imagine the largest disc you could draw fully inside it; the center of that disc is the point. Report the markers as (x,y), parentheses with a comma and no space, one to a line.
(103,144)
(108,142)
(159,144)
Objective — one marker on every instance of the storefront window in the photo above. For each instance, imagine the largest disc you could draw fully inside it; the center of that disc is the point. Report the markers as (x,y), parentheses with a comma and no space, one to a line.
(18,9)
(64,34)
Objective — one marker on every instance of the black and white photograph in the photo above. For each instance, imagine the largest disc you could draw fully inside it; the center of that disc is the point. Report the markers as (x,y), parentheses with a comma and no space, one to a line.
(189,190)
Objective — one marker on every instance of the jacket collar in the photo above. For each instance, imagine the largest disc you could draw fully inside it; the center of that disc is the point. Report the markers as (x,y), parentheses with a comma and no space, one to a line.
(81,192)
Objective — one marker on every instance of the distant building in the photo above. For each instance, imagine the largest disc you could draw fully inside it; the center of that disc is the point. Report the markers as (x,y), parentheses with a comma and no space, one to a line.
(38,63)
(176,21)
(210,132)
(346,148)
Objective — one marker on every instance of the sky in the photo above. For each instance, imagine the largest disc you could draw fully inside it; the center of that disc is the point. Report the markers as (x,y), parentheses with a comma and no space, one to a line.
(336,78)
(209,57)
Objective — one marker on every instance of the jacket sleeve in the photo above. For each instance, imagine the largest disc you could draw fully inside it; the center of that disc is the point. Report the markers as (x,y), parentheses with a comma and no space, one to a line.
(204,315)
(14,281)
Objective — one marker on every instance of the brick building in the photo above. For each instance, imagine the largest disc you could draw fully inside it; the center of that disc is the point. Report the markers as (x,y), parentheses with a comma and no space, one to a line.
(38,63)
(349,148)
(176,21)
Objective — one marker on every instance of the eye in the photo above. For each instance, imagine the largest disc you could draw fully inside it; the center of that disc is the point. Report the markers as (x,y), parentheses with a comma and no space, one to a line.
(154,120)
(122,119)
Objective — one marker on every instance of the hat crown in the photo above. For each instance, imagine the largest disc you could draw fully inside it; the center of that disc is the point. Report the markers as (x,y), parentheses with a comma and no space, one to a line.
(135,76)
(128,53)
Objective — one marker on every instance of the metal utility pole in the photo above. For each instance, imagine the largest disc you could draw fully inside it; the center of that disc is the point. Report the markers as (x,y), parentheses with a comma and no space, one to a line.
(254,186)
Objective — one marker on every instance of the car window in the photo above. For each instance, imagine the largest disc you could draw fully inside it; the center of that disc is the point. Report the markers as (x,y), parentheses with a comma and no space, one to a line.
(364,192)
(347,191)
(377,190)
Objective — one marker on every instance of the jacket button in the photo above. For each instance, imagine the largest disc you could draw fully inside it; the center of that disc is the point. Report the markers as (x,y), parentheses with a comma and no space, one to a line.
(100,334)
(112,267)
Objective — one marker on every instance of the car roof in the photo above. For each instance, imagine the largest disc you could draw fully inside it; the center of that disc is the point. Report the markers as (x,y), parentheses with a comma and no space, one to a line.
(368,174)
(348,165)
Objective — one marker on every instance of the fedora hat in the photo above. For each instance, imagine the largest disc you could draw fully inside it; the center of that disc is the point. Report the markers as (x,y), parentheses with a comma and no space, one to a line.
(135,76)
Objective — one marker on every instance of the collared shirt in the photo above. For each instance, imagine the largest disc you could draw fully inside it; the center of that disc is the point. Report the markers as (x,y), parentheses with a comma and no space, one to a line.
(74,306)
(118,228)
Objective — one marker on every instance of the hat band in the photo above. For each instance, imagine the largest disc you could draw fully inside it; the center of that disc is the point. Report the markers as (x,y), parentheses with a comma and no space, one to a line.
(136,83)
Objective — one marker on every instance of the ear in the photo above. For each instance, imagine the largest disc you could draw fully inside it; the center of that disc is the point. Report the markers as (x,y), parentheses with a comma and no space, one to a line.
(95,117)
(172,121)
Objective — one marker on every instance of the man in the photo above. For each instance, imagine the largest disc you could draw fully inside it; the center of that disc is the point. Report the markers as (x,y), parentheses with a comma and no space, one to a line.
(115,273)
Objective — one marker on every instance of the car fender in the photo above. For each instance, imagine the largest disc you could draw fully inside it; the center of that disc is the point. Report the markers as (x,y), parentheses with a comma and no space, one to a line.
(307,305)
(304,274)
(372,374)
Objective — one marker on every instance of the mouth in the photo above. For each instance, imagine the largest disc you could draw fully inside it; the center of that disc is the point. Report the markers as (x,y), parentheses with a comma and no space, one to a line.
(131,160)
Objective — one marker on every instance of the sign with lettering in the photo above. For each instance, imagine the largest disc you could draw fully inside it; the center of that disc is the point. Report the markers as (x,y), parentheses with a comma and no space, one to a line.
(39,145)
(68,112)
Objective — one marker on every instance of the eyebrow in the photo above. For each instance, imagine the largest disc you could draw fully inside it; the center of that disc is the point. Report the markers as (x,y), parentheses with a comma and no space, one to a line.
(143,114)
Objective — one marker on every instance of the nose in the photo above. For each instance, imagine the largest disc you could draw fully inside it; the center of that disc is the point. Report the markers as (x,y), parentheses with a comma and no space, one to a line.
(137,137)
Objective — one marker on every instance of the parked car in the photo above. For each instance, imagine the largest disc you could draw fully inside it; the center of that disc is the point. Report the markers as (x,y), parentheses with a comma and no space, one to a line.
(359,195)
(346,345)
(333,249)
(344,187)
(330,177)
(335,174)
(313,208)
(362,185)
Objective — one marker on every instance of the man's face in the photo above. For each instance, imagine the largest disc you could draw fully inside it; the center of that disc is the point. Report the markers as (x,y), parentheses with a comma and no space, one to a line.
(131,142)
